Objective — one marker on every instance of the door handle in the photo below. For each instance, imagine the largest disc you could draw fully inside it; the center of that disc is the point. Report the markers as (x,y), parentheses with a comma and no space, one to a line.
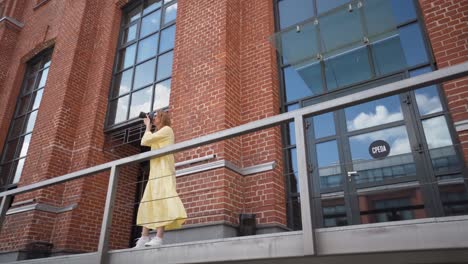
(351,174)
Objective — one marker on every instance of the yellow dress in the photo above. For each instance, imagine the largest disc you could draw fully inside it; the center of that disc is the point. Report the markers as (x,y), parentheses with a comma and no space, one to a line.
(161,205)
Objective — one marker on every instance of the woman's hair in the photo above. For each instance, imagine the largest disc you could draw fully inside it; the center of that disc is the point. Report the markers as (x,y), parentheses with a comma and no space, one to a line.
(164,117)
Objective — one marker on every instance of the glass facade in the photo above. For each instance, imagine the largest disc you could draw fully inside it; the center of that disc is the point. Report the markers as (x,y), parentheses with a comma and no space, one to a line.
(18,140)
(333,48)
(143,67)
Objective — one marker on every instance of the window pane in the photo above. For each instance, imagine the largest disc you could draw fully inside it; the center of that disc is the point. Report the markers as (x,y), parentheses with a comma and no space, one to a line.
(454,198)
(150,23)
(31,121)
(151,5)
(296,46)
(379,18)
(5,170)
(387,206)
(43,78)
(373,113)
(427,98)
(141,101)
(147,48)
(347,68)
(295,86)
(24,143)
(388,55)
(10,150)
(334,212)
(439,141)
(413,45)
(348,24)
(403,10)
(129,34)
(292,128)
(18,169)
(326,5)
(292,12)
(37,99)
(167,39)
(164,66)
(144,74)
(123,83)
(170,13)
(312,76)
(17,127)
(293,160)
(29,85)
(127,57)
(23,104)
(133,15)
(398,163)
(329,165)
(118,110)
(293,178)
(162,94)
(324,125)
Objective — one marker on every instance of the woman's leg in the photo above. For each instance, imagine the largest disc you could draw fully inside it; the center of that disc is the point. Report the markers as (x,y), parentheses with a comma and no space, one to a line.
(145,232)
(160,232)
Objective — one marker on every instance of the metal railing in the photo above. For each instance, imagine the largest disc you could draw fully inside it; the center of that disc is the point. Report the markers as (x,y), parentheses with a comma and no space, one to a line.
(442,75)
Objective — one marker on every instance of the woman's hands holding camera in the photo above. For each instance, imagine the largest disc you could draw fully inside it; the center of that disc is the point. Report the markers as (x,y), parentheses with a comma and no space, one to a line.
(147,122)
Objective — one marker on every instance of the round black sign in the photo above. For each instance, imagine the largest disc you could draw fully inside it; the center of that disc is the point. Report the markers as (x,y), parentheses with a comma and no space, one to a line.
(379,149)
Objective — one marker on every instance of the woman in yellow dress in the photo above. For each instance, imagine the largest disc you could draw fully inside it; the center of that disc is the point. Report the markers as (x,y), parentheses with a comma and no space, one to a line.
(160,208)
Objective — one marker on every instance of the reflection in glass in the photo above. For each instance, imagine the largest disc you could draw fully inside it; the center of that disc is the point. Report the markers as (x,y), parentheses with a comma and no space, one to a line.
(170,13)
(147,48)
(396,205)
(292,128)
(399,162)
(388,55)
(151,5)
(427,98)
(295,86)
(296,45)
(129,34)
(24,143)
(17,127)
(133,15)
(29,85)
(347,68)
(31,121)
(295,11)
(37,99)
(348,25)
(141,101)
(123,83)
(23,104)
(18,169)
(164,66)
(127,57)
(296,213)
(167,39)
(10,150)
(454,198)
(324,125)
(334,212)
(311,74)
(293,160)
(439,141)
(144,74)
(403,10)
(293,177)
(162,94)
(119,109)
(373,113)
(379,18)
(43,78)
(329,165)
(413,45)
(150,23)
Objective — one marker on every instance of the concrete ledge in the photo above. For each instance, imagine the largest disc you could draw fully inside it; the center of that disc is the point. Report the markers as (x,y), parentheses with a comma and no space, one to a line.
(461,125)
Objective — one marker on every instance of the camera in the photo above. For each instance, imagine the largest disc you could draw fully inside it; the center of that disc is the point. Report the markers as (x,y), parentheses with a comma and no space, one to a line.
(150,115)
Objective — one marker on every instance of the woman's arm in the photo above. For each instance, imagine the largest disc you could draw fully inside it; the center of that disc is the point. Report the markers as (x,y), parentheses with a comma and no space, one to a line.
(150,138)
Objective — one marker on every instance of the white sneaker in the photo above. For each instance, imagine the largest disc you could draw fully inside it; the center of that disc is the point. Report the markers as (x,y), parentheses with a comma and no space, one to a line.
(142,241)
(155,242)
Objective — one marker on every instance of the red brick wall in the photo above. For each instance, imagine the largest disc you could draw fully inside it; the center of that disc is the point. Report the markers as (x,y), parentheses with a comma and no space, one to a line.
(447,25)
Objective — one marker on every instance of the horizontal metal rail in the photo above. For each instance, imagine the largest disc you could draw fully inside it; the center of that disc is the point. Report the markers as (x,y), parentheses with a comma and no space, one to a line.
(439,76)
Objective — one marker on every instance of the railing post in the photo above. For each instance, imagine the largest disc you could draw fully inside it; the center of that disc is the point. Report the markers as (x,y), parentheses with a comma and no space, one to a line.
(4,208)
(307,224)
(103,246)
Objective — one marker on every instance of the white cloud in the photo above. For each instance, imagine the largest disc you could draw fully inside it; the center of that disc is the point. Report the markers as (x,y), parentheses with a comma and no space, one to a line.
(436,131)
(428,105)
(381,116)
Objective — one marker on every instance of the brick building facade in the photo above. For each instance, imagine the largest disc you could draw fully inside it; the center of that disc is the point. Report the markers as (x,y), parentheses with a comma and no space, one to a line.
(224,73)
